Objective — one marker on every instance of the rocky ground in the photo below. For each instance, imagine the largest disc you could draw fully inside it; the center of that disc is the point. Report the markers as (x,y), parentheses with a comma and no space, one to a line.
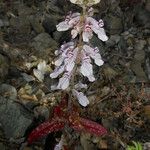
(119,99)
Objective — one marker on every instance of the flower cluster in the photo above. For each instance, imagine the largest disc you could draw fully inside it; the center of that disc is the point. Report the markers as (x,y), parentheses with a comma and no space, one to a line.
(72,53)
(90,25)
(82,3)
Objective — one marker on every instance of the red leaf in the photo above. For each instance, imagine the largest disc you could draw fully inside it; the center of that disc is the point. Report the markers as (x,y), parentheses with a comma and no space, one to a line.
(44,129)
(89,126)
(93,127)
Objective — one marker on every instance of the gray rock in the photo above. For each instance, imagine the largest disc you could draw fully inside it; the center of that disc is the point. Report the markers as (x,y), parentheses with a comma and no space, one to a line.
(142,16)
(41,111)
(138,61)
(86,142)
(8,91)
(43,43)
(50,22)
(13,121)
(96,42)
(114,24)
(60,37)
(146,146)
(4,23)
(35,23)
(4,66)
(113,39)
(21,24)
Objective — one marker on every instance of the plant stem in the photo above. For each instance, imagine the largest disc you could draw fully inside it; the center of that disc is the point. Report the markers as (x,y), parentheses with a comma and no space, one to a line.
(80,46)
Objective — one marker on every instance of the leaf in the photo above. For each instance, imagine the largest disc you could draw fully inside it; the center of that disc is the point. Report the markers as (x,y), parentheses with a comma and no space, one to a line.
(92,127)
(45,128)
(137,145)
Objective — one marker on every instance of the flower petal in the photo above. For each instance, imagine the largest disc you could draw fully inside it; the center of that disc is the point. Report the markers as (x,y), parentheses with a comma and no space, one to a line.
(97,28)
(98,61)
(59,61)
(86,69)
(74,33)
(79,2)
(81,98)
(94,54)
(63,26)
(57,72)
(87,3)
(102,35)
(64,81)
(70,60)
(91,78)
(92,2)
(87,36)
(75,18)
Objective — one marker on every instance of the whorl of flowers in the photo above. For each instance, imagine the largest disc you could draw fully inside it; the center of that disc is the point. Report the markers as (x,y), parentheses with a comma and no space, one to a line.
(79,51)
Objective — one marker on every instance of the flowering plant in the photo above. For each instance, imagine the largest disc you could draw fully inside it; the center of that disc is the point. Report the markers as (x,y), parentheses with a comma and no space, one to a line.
(77,51)
(75,57)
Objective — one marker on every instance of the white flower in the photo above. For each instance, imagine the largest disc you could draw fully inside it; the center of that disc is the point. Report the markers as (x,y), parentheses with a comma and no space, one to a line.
(76,30)
(87,68)
(70,59)
(87,33)
(83,2)
(65,48)
(64,81)
(90,26)
(94,54)
(81,98)
(70,21)
(57,71)
(97,27)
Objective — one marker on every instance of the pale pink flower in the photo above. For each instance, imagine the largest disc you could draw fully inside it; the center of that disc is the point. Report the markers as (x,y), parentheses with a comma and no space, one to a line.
(65,63)
(97,27)
(87,33)
(71,20)
(94,54)
(57,71)
(86,67)
(76,30)
(64,81)
(69,61)
(65,48)
(82,99)
(90,26)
